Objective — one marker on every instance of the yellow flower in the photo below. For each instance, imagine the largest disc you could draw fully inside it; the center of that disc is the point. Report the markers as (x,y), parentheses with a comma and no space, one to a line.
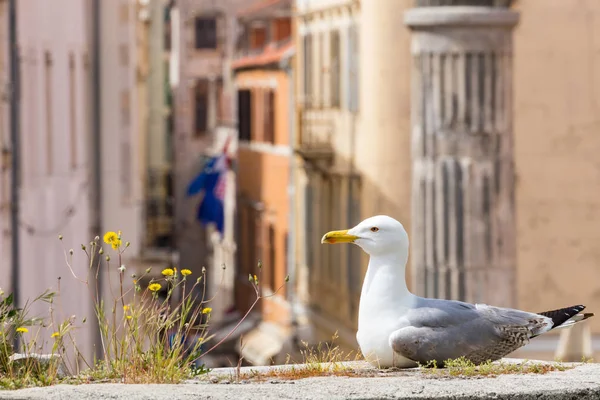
(168,272)
(126,308)
(116,243)
(22,329)
(154,287)
(186,272)
(55,334)
(129,317)
(110,237)
(206,310)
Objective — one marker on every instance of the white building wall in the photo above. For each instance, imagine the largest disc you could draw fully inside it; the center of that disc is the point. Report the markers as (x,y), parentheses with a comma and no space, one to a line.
(5,242)
(53,44)
(122,169)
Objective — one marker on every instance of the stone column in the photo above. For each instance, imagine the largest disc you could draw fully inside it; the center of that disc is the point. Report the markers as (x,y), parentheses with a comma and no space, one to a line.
(463,214)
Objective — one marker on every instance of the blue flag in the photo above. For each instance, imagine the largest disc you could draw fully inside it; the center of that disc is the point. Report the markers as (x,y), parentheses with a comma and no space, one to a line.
(211,181)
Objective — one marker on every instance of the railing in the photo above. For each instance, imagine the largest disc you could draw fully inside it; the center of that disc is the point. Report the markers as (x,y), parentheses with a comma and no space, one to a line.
(316,130)
(274,45)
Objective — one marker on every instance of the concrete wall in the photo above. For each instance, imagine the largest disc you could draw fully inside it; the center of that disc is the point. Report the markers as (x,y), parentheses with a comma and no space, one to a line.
(557,109)
(5,265)
(56,147)
(122,155)
(55,178)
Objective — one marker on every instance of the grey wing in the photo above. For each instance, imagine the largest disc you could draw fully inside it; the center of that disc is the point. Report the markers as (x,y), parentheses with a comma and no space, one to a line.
(441,329)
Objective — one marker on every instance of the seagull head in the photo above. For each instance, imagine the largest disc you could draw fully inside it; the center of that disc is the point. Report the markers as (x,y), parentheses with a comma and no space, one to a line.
(377,236)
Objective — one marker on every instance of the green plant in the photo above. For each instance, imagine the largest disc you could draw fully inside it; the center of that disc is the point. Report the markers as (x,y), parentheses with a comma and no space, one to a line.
(155,333)
(324,359)
(15,325)
(462,367)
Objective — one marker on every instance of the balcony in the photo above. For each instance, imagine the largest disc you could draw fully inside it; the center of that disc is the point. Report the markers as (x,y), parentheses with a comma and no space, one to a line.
(272,47)
(317,128)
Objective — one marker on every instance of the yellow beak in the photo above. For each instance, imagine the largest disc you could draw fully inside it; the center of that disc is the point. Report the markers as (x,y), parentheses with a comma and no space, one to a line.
(338,237)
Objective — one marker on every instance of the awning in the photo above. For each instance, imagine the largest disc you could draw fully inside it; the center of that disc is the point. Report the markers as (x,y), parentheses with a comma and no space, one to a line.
(264,343)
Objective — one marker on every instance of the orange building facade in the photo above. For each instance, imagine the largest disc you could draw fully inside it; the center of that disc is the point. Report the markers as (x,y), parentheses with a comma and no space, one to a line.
(262,75)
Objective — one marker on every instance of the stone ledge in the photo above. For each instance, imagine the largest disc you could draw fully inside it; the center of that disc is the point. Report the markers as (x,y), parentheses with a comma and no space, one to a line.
(429,17)
(581,382)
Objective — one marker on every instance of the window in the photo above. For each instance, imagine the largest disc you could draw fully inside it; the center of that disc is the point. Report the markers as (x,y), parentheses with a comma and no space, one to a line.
(124,54)
(335,70)
(282,29)
(201,107)
(168,25)
(125,107)
(221,104)
(269,118)
(49,116)
(126,170)
(271,266)
(206,33)
(87,100)
(258,37)
(245,115)
(309,206)
(251,255)
(287,261)
(169,209)
(124,12)
(328,202)
(353,78)
(168,143)
(354,253)
(30,86)
(258,239)
(73,111)
(308,72)
(320,73)
(125,146)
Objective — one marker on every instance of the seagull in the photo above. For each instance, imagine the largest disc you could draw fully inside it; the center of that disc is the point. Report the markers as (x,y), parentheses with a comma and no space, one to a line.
(399,329)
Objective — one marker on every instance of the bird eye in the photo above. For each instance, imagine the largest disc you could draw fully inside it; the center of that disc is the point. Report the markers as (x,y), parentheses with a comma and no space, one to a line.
(374,229)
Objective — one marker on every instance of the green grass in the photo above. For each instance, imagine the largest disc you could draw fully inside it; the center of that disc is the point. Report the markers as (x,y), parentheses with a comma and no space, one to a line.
(324,359)
(463,368)
(141,331)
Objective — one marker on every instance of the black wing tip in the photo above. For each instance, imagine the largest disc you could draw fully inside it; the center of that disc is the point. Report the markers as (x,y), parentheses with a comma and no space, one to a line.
(587,315)
(561,315)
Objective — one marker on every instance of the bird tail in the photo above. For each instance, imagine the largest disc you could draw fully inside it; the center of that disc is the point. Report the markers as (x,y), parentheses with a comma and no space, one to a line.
(568,316)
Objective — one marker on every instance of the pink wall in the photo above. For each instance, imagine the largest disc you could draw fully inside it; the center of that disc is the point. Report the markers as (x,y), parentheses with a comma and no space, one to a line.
(4,142)
(55,126)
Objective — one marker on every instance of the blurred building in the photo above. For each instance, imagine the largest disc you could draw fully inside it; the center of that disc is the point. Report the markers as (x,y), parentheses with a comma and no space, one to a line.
(5,149)
(555,145)
(55,96)
(204,34)
(485,159)
(328,191)
(135,134)
(94,152)
(263,79)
